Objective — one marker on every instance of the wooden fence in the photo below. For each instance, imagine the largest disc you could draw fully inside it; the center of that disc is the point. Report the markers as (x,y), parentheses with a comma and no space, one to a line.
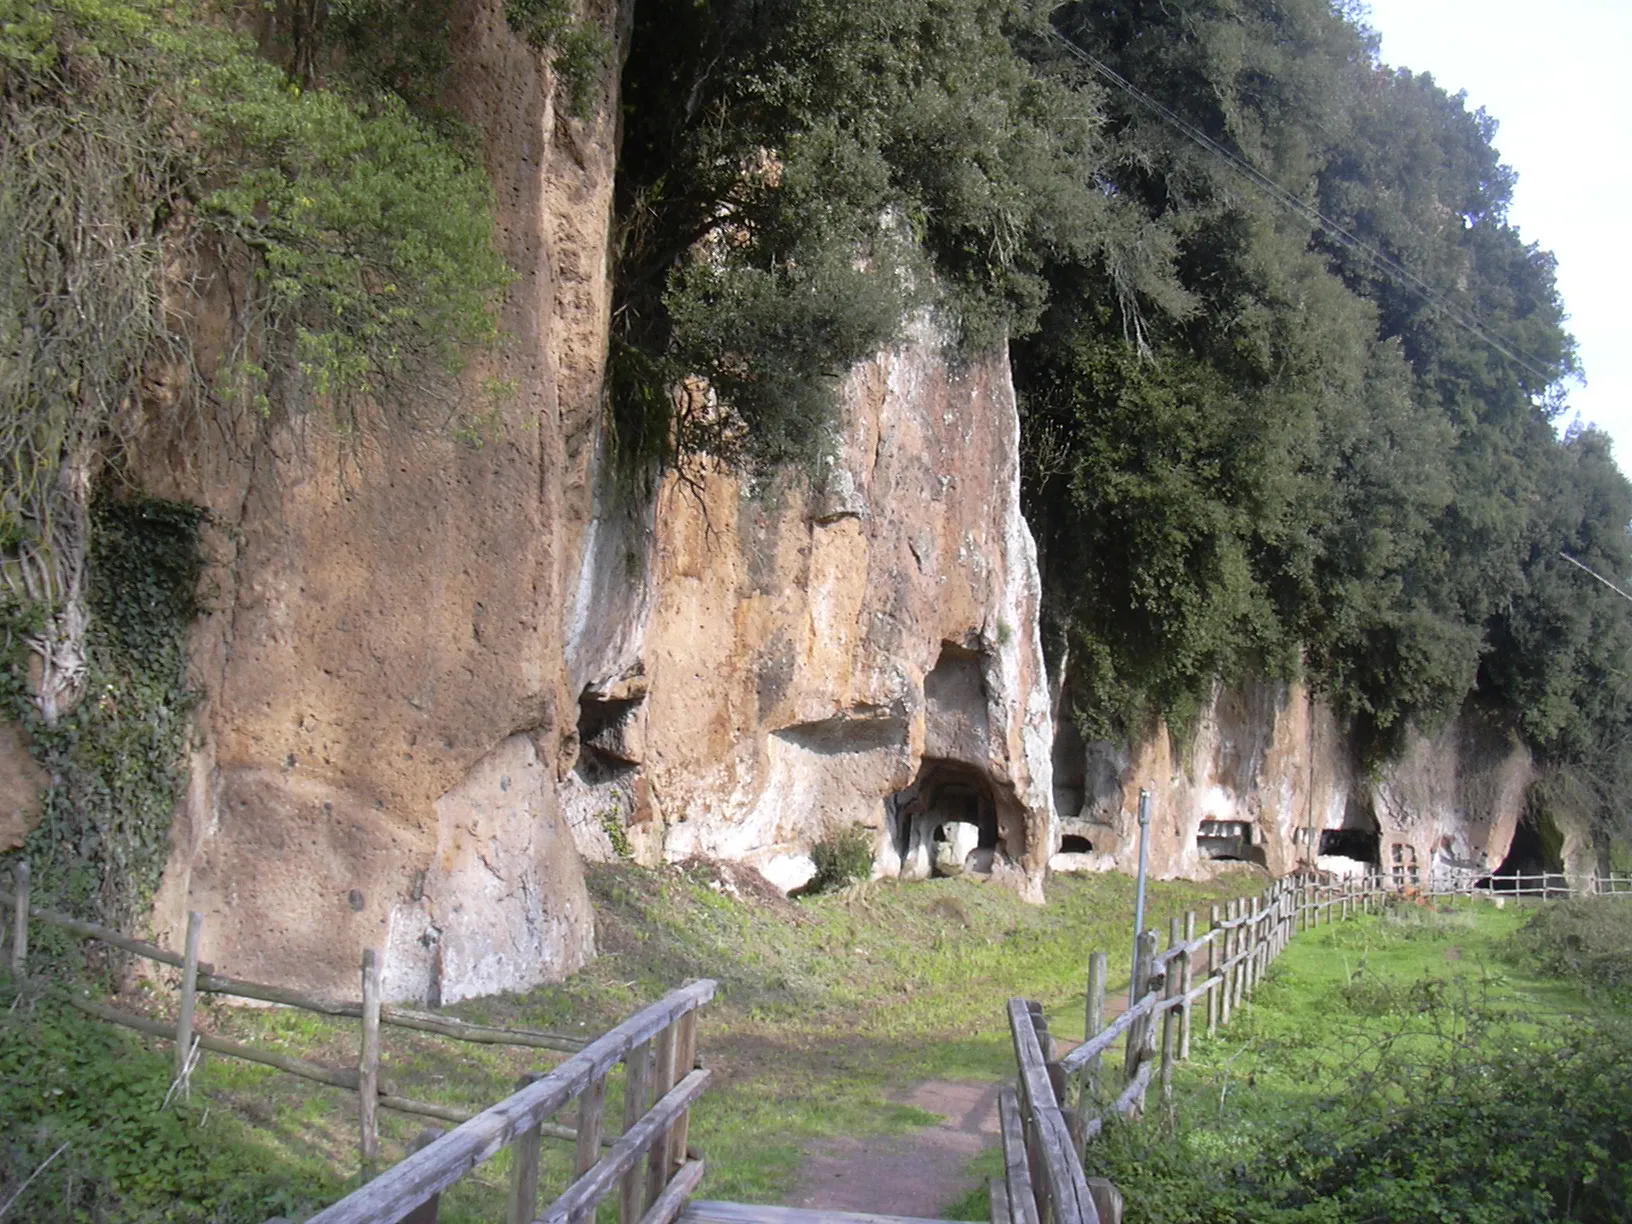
(648,1164)
(198,977)
(1061,1104)
(1548,885)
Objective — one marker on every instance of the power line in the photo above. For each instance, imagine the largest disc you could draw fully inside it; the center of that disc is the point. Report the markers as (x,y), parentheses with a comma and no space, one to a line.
(1309,213)
(1578,565)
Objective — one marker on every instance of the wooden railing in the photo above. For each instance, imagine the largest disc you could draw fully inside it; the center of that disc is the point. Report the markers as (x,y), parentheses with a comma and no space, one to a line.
(647,1164)
(1043,1181)
(198,978)
(1062,1104)
(1548,885)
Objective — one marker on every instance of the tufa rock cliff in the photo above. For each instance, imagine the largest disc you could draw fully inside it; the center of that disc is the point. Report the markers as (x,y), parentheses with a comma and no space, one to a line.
(436,678)
(383,665)
(864,652)
(1269,778)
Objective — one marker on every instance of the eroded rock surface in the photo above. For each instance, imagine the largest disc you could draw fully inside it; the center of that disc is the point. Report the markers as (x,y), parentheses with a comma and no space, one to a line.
(1269,778)
(383,667)
(860,650)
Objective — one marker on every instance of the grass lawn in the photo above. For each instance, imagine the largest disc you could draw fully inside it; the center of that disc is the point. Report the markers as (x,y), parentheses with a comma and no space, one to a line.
(828,1008)
(831,1006)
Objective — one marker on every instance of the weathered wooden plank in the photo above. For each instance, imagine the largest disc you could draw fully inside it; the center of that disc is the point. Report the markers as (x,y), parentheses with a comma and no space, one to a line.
(1074,1061)
(19,917)
(625,1155)
(1062,1170)
(997,1198)
(663,1077)
(467,1146)
(1186,974)
(1135,1091)
(707,1211)
(685,1060)
(637,1079)
(1107,1200)
(1016,1167)
(525,1166)
(1170,1022)
(666,1208)
(368,1064)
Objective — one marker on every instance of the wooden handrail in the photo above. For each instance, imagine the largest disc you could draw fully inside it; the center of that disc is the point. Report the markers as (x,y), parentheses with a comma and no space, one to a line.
(436,1167)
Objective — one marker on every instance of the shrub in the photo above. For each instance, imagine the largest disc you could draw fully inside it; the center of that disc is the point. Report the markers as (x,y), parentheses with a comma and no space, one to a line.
(842,858)
(1587,939)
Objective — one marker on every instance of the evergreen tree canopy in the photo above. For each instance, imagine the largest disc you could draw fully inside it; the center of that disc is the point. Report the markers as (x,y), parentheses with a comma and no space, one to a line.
(1299,429)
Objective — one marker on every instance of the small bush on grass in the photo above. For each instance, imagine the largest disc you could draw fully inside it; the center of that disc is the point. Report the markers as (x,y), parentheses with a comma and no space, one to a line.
(1586,940)
(844,858)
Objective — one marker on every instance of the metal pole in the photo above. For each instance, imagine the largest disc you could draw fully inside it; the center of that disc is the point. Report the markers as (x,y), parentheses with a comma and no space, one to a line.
(1139,899)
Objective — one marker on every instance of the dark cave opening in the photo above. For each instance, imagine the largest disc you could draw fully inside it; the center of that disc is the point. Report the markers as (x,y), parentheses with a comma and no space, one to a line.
(1362,845)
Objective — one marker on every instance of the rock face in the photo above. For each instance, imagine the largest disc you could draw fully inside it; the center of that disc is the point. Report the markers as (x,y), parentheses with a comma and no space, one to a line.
(384,666)
(1270,779)
(21,781)
(862,651)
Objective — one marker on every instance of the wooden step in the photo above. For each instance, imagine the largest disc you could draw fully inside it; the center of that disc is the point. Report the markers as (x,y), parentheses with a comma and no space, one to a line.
(704,1211)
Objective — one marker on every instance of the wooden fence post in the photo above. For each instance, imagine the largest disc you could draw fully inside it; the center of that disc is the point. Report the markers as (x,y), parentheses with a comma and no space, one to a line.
(637,1076)
(591,1119)
(1186,975)
(368,1066)
(526,1157)
(19,931)
(189,995)
(1134,1044)
(1170,1020)
(1226,1000)
(1251,962)
(1212,970)
(1093,1022)
(685,1058)
(664,1075)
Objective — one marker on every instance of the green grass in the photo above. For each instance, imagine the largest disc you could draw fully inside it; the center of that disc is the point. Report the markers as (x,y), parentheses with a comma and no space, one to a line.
(1340,992)
(828,1008)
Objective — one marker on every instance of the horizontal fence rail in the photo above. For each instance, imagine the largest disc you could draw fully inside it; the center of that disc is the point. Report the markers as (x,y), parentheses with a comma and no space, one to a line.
(198,978)
(657,1048)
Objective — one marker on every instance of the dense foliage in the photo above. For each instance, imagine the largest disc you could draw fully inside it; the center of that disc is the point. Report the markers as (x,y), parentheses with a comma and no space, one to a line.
(117,760)
(1298,424)
(1587,940)
(93,1135)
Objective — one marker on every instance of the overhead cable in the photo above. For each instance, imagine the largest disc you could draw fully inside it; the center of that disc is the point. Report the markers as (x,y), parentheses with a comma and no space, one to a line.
(1312,215)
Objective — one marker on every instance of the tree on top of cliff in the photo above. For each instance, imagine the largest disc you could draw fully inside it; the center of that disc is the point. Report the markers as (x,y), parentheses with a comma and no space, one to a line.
(1369,464)
(798,174)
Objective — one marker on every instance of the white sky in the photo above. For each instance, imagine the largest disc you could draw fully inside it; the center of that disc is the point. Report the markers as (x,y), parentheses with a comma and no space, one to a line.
(1558,78)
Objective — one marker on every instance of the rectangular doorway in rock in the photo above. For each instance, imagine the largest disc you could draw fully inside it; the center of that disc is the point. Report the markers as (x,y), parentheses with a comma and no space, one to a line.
(1228,840)
(945,823)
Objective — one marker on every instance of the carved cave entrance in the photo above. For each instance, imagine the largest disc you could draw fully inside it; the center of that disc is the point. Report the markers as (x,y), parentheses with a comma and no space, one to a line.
(1537,848)
(1229,841)
(1359,837)
(945,823)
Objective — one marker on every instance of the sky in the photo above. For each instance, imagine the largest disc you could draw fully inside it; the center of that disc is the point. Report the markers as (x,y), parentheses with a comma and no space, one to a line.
(1558,78)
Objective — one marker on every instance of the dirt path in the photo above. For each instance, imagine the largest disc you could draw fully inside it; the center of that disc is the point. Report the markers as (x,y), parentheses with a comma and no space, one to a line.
(918,1174)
